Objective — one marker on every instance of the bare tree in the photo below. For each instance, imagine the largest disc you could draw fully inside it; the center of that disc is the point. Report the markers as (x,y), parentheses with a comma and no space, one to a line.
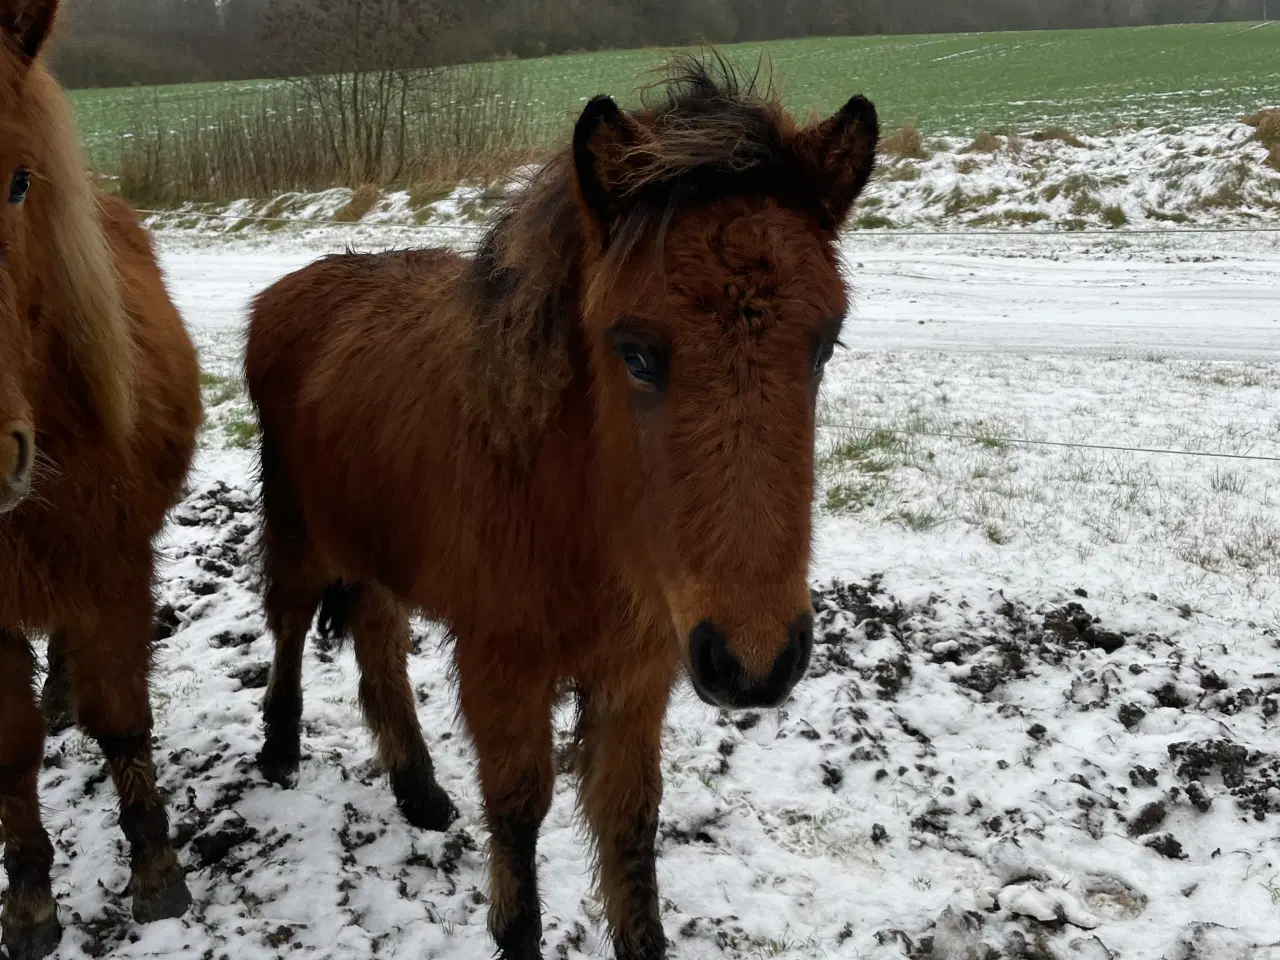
(364,67)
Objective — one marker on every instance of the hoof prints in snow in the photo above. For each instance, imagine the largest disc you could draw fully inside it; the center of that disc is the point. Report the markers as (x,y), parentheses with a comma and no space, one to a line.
(960,776)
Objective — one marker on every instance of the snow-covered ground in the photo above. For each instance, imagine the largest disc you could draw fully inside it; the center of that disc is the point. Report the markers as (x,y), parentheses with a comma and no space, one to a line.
(1041,721)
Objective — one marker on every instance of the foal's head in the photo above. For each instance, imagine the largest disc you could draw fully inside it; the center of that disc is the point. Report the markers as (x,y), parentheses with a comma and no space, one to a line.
(57,279)
(713,298)
(23,28)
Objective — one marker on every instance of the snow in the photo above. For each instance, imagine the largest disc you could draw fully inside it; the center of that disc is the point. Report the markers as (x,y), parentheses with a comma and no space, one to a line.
(1039,721)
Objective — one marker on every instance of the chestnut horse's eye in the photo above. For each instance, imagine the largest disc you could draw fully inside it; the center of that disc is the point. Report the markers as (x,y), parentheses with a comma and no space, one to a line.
(20,184)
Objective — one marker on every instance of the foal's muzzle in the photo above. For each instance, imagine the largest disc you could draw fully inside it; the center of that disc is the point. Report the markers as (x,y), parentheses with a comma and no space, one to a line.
(718,675)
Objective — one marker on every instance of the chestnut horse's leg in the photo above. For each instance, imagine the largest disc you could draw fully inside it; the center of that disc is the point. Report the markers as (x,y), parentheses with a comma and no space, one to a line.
(108,661)
(620,763)
(380,627)
(29,923)
(508,711)
(55,697)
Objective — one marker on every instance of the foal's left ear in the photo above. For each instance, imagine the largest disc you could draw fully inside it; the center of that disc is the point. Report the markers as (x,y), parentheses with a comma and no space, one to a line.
(26,23)
(838,156)
(604,159)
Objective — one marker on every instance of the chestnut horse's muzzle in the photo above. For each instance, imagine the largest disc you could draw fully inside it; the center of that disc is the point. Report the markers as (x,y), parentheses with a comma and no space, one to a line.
(17,456)
(719,678)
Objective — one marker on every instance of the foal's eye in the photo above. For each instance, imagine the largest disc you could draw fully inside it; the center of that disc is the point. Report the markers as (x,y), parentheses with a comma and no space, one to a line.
(822,352)
(640,363)
(19,185)
(643,353)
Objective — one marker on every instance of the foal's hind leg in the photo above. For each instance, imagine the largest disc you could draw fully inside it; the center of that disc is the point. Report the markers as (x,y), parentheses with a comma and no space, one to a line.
(293,591)
(108,662)
(290,605)
(29,922)
(380,627)
(55,697)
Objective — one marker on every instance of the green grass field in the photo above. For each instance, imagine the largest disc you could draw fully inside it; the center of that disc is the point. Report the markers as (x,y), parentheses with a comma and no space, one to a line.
(1088,80)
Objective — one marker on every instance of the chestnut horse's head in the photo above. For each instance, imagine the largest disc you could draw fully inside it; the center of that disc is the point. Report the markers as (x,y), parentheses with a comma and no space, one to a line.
(712,299)
(23,28)
(56,274)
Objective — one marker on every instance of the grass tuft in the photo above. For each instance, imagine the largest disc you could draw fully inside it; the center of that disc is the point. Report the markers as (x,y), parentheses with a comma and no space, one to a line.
(363,199)
(1060,133)
(984,142)
(905,143)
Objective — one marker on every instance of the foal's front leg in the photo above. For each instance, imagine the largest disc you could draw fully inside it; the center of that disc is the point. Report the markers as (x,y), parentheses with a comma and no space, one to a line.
(620,763)
(29,923)
(55,697)
(509,717)
(108,661)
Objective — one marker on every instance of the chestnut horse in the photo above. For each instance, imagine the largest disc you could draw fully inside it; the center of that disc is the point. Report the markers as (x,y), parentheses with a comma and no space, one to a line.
(99,409)
(588,450)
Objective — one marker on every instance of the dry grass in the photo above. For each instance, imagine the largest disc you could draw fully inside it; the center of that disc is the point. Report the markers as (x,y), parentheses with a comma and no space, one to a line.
(905,143)
(361,202)
(468,124)
(1266,131)
(984,142)
(1055,132)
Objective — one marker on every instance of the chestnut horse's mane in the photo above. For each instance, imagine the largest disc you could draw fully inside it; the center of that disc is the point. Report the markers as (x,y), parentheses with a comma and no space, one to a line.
(85,298)
(711,133)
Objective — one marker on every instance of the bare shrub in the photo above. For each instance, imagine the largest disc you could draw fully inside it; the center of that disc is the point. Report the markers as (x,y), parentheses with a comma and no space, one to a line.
(461,123)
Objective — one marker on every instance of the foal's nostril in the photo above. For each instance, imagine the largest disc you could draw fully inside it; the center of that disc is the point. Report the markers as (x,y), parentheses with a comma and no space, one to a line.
(718,676)
(800,646)
(716,671)
(24,438)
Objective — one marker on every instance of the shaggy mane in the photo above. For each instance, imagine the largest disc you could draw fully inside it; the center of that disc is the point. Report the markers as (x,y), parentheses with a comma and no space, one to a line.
(88,304)
(711,133)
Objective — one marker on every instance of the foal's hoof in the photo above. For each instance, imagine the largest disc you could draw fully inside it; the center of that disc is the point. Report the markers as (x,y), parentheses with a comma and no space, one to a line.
(423,801)
(279,763)
(168,899)
(32,941)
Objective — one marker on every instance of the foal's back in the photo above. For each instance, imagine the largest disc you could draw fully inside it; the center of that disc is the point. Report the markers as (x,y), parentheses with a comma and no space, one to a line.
(354,363)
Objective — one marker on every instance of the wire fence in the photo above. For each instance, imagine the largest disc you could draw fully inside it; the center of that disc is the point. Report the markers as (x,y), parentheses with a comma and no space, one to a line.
(871,427)
(472,228)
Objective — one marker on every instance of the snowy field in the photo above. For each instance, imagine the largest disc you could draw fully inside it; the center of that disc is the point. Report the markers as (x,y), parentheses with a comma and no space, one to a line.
(1040,720)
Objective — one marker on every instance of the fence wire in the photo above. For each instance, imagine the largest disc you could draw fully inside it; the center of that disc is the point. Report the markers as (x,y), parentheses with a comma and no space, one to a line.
(870,427)
(864,427)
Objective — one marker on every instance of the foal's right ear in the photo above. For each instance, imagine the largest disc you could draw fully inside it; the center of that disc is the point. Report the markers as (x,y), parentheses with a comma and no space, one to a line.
(604,158)
(26,24)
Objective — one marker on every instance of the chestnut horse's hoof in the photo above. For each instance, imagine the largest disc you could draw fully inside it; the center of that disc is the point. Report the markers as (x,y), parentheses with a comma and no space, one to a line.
(32,941)
(423,801)
(169,899)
